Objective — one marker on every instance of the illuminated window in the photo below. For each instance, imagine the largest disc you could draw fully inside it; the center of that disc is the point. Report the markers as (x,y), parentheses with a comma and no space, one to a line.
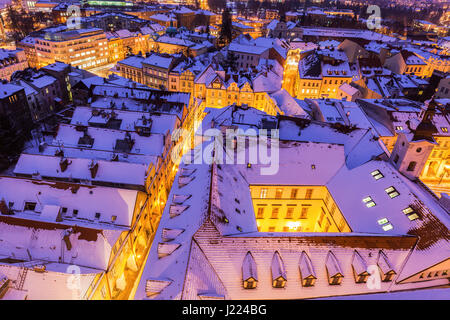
(275,213)
(304,213)
(444,129)
(392,192)
(384,223)
(294,193)
(377,174)
(410,213)
(398,128)
(278,193)
(263,194)
(290,212)
(369,202)
(309,193)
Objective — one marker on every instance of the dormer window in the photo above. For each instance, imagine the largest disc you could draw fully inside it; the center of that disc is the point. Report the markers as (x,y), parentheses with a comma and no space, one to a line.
(278,271)
(307,274)
(369,202)
(334,271)
(29,206)
(249,272)
(392,192)
(386,270)
(377,174)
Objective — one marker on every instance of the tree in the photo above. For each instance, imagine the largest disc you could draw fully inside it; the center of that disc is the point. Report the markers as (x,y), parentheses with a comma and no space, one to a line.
(226,31)
(217,4)
(230,61)
(20,23)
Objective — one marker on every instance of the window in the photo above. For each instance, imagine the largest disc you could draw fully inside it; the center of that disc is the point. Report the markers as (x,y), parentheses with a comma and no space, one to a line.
(377,174)
(308,194)
(63,210)
(275,213)
(384,223)
(392,192)
(260,214)
(369,202)
(74,212)
(410,213)
(418,150)
(411,166)
(294,193)
(398,128)
(250,283)
(263,194)
(444,129)
(29,206)
(304,213)
(279,283)
(97,215)
(271,229)
(278,193)
(289,213)
(396,158)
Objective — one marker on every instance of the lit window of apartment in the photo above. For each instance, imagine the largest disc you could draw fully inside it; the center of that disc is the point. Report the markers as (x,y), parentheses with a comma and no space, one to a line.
(290,212)
(260,214)
(263,194)
(304,213)
(377,174)
(278,193)
(399,128)
(309,193)
(275,213)
(369,202)
(392,192)
(294,193)
(444,129)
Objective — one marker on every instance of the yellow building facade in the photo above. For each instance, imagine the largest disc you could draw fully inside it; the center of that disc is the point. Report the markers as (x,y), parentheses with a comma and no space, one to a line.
(299,208)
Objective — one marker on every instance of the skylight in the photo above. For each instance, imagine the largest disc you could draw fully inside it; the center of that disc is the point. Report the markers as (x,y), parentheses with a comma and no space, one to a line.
(369,202)
(377,174)
(410,213)
(384,223)
(392,192)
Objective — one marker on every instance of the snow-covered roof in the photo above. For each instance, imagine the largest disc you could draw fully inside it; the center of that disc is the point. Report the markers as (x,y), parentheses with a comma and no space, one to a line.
(80,169)
(288,104)
(109,140)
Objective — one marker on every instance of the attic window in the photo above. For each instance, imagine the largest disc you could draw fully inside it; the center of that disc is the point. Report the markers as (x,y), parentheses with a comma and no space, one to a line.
(377,174)
(392,192)
(410,213)
(113,218)
(444,129)
(369,202)
(97,215)
(75,212)
(399,128)
(29,206)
